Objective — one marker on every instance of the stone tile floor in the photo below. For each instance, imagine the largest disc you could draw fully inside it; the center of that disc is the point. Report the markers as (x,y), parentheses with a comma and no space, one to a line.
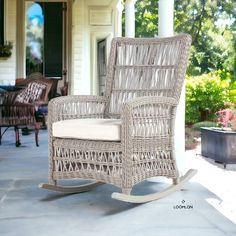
(205,207)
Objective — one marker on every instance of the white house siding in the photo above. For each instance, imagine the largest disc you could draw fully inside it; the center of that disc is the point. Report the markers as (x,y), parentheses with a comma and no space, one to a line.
(88,28)
(84,38)
(8,66)
(80,72)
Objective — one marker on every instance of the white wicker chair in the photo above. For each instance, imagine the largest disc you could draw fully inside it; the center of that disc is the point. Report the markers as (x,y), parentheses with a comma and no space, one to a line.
(126,136)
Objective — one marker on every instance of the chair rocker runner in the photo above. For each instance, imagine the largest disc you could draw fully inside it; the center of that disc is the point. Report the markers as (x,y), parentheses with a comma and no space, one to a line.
(127,135)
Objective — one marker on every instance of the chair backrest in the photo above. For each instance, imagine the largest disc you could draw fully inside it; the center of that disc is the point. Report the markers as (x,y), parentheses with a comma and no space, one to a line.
(145,67)
(39,79)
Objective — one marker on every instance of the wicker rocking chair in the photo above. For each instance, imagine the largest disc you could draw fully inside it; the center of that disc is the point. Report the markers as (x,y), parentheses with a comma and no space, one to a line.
(126,136)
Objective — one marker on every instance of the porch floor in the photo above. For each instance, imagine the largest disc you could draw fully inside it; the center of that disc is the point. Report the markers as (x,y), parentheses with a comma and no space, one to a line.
(205,207)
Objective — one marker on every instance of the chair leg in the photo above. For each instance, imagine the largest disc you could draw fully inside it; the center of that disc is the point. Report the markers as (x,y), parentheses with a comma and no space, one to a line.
(176,181)
(126,191)
(17,134)
(37,136)
(44,125)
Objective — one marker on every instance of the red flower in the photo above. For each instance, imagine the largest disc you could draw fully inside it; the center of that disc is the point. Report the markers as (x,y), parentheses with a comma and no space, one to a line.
(224,117)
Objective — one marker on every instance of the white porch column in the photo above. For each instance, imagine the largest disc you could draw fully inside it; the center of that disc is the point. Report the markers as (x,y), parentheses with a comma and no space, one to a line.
(118,19)
(130,18)
(165,29)
(20,42)
(166,18)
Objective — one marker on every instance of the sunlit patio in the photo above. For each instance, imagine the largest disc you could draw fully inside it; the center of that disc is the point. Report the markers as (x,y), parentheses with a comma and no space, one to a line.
(206,206)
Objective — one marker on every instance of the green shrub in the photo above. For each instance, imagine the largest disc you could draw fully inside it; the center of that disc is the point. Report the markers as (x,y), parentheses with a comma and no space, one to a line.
(205,94)
(226,75)
(198,125)
(232,92)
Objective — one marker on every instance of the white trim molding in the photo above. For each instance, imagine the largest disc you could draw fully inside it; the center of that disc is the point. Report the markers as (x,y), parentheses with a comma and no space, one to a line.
(100,16)
(95,38)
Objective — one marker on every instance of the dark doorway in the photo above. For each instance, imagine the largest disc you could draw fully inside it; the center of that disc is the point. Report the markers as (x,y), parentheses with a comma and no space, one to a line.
(101,62)
(53,30)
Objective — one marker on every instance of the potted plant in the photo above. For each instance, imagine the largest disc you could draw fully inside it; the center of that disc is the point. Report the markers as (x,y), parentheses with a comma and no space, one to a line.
(220,143)
(226,119)
(6,50)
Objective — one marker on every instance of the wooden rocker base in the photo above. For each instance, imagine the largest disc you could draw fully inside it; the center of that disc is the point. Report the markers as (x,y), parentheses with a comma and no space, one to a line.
(155,196)
(71,189)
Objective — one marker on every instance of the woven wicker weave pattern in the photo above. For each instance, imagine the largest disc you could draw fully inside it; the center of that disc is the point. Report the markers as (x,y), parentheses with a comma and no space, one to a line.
(143,87)
(145,67)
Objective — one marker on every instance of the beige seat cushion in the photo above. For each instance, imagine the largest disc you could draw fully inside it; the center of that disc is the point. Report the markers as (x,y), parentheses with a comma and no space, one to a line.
(91,129)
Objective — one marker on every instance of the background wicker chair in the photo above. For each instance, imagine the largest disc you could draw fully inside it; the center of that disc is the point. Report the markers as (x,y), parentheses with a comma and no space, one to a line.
(126,136)
(18,108)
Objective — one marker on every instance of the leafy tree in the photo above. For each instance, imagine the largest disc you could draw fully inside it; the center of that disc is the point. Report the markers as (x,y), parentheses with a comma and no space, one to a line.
(213,47)
(233,28)
(146,18)
(212,43)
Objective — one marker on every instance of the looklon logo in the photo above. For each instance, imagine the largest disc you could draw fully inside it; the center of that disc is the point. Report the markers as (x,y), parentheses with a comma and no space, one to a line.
(183,206)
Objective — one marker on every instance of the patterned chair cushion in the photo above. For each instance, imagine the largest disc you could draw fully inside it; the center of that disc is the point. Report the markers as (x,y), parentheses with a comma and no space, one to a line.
(32,93)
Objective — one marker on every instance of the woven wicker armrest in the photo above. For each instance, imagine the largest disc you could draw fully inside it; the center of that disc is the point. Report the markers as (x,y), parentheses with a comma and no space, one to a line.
(8,98)
(149,100)
(74,106)
(1,98)
(148,118)
(147,124)
(146,108)
(17,114)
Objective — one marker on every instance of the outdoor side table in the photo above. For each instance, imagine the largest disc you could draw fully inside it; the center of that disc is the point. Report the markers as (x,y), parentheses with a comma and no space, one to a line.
(219,145)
